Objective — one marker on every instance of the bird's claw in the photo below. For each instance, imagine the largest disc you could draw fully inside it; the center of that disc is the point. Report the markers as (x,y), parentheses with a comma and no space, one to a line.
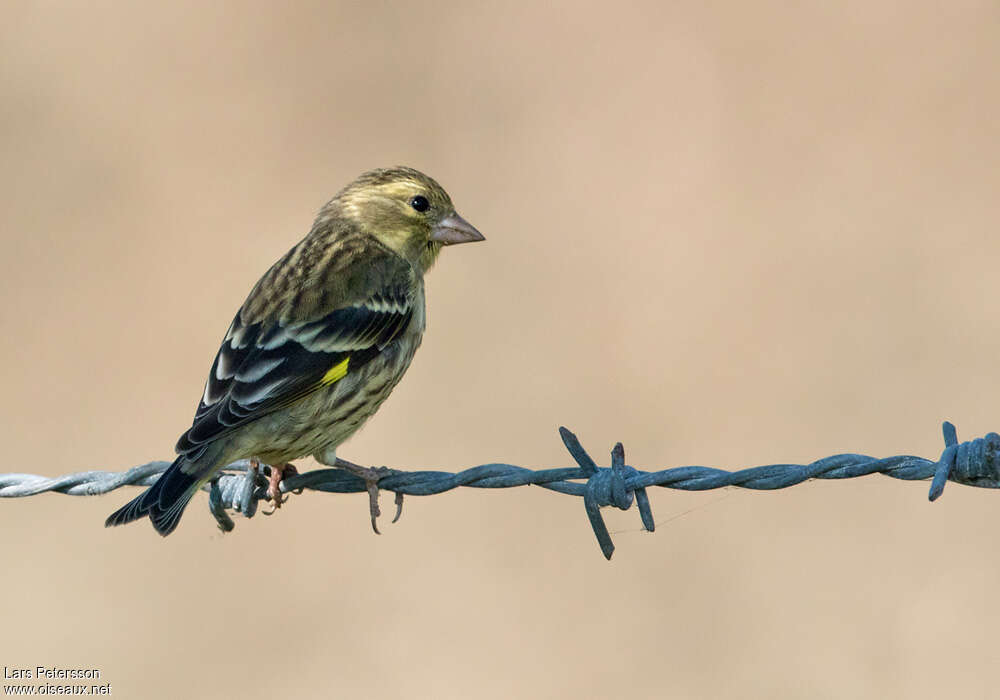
(371,476)
(399,506)
(372,486)
(274,486)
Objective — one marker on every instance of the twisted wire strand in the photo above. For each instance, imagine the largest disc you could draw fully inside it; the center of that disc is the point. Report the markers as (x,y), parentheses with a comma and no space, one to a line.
(238,487)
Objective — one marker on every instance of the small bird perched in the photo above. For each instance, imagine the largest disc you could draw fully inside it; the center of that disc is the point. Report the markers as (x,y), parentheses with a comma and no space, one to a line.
(319,343)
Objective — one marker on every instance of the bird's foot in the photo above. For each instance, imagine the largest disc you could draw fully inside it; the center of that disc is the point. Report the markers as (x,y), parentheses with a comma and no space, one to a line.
(371,476)
(274,485)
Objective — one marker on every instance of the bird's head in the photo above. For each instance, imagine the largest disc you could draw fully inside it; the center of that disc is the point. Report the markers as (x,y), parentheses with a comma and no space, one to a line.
(407,211)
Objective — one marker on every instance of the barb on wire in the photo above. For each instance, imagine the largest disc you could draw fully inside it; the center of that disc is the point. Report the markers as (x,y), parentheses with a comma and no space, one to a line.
(239,488)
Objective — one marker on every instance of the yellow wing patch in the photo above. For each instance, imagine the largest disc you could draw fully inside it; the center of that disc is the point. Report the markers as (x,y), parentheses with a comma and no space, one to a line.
(338,371)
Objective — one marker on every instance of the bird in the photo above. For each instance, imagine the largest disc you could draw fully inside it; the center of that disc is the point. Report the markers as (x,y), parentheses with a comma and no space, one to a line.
(320,342)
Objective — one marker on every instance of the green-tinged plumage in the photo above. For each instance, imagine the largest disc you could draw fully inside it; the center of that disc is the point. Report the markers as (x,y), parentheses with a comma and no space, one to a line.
(321,340)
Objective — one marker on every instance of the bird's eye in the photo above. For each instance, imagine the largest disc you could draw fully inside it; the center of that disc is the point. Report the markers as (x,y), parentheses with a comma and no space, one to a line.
(420,203)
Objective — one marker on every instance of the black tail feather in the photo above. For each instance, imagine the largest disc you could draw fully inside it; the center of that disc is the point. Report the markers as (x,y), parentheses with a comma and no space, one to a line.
(163,502)
(138,507)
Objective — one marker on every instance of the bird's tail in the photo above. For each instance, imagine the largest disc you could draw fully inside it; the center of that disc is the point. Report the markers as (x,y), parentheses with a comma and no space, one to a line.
(164,501)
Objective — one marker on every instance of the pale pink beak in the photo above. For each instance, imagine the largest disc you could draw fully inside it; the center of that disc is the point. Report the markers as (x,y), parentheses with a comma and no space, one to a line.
(454,229)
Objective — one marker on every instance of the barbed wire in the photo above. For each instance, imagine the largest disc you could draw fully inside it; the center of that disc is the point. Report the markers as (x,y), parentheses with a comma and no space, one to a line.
(240,487)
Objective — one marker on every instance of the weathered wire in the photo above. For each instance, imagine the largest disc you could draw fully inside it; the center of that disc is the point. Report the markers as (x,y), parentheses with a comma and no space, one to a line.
(240,488)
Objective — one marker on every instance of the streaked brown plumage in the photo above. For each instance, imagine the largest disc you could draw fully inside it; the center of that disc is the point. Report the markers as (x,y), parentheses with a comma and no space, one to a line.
(321,340)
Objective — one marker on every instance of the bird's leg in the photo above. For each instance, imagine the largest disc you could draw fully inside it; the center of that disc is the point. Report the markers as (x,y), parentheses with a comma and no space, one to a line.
(278,472)
(371,476)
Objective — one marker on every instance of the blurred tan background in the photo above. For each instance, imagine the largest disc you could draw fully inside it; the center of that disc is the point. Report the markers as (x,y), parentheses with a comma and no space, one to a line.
(724,233)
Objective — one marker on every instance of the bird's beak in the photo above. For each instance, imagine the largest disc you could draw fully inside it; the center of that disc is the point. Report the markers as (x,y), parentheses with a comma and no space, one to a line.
(454,229)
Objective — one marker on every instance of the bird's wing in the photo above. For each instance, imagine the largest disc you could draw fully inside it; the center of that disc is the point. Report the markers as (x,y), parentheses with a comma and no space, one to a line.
(266,364)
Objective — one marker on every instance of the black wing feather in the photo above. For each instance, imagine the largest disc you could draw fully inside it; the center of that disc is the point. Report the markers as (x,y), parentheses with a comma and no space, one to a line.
(263,367)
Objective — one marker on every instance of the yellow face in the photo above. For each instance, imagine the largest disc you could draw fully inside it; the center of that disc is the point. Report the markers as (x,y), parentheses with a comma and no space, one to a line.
(407,211)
